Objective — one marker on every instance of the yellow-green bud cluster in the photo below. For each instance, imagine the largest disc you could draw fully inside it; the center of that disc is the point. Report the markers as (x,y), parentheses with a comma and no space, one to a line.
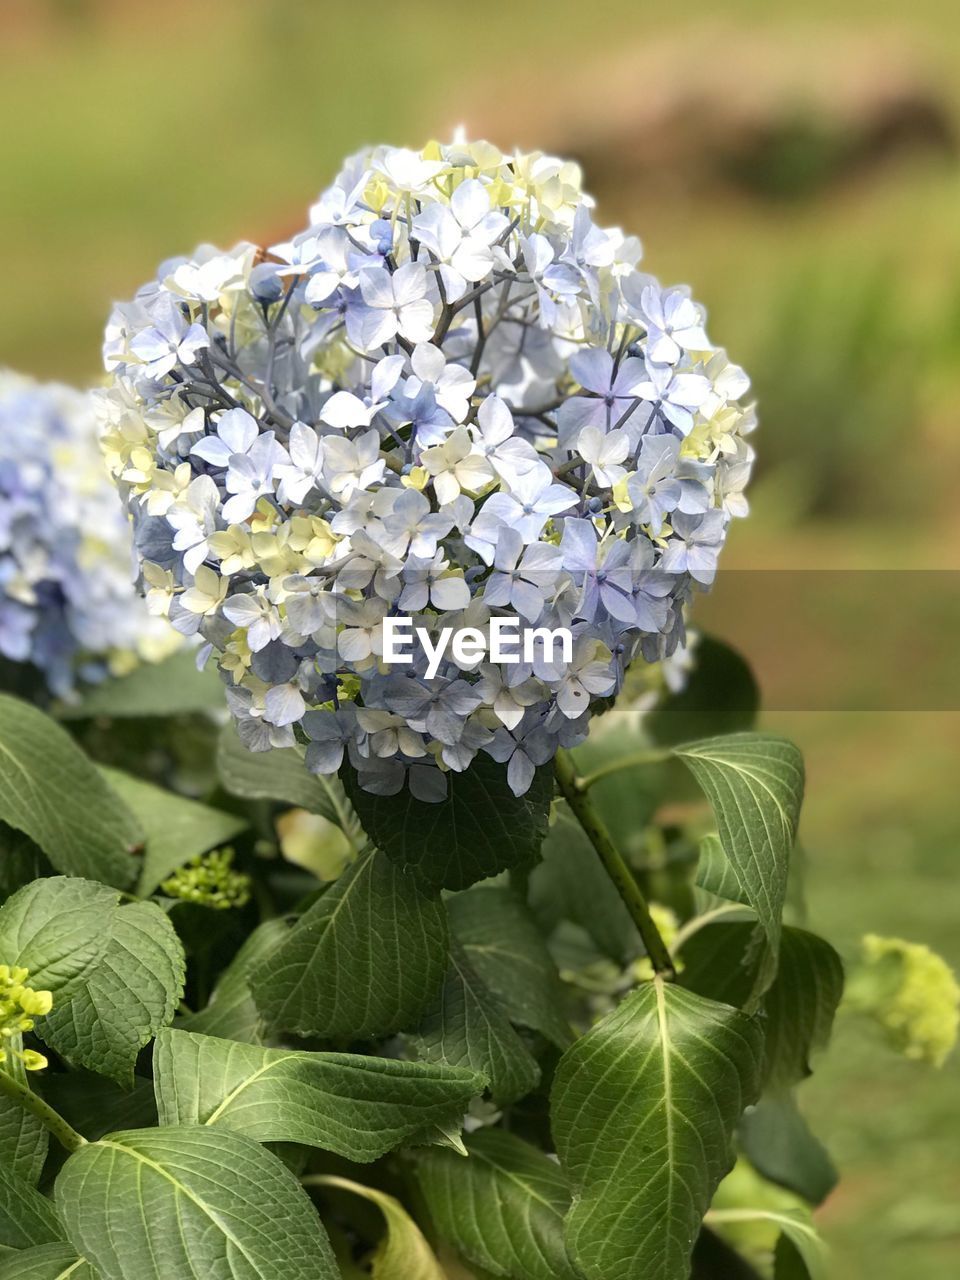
(912,993)
(210,881)
(19,1005)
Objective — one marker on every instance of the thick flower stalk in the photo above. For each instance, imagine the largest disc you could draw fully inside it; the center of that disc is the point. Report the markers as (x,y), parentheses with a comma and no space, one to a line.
(68,603)
(452,397)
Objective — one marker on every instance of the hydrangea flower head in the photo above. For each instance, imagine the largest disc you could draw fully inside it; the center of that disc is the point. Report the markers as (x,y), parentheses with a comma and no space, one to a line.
(68,603)
(912,993)
(454,396)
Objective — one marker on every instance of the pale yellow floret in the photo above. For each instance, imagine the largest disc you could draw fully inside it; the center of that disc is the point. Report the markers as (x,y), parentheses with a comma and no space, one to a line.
(19,1005)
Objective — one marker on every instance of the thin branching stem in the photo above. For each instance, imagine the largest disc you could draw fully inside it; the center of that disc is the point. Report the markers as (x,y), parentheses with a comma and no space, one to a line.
(636,759)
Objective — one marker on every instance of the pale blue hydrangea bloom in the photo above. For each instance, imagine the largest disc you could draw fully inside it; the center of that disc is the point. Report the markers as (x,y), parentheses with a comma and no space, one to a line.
(68,603)
(452,395)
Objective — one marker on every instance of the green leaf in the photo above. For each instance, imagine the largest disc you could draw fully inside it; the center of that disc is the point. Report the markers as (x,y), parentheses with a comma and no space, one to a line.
(571,884)
(26,1217)
(720,697)
(722,961)
(232,1013)
(169,688)
(51,791)
(356,1106)
(479,829)
(755,787)
(644,1107)
(175,1204)
(175,829)
(403,1253)
(502,1208)
(20,861)
(508,953)
(468,1027)
(800,1253)
(95,1106)
(23,1138)
(365,960)
(58,929)
(121,1004)
(281,775)
(776,1140)
(715,873)
(800,1006)
(46,1262)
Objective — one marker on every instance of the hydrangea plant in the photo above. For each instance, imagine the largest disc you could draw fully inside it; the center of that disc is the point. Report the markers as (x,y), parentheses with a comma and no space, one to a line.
(68,604)
(520,993)
(455,396)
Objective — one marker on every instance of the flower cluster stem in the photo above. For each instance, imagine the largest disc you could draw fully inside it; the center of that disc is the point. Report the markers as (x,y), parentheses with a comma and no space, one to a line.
(52,1120)
(632,761)
(574,792)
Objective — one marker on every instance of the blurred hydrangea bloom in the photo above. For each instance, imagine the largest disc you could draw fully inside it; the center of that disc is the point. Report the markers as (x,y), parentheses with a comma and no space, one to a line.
(912,993)
(455,396)
(68,603)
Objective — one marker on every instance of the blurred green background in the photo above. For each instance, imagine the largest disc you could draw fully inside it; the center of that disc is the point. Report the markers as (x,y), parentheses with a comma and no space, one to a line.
(799,165)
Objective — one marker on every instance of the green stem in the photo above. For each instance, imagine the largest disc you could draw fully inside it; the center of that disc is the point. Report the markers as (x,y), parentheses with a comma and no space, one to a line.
(574,792)
(520,882)
(623,762)
(52,1120)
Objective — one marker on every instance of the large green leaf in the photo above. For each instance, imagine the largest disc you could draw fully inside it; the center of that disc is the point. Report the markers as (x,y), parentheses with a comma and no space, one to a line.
(722,961)
(175,1204)
(281,775)
(45,1262)
(357,1106)
(20,861)
(175,829)
(755,787)
(777,1141)
(571,884)
(232,1012)
(130,993)
(720,697)
(365,960)
(800,1006)
(467,1026)
(57,928)
(479,829)
(169,688)
(644,1107)
(26,1217)
(502,1208)
(51,791)
(508,953)
(23,1139)
(403,1254)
